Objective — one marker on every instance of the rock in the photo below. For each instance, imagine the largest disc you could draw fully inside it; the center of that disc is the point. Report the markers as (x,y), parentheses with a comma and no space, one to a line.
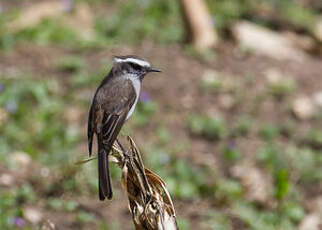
(278,83)
(303,42)
(317,98)
(273,76)
(6,179)
(303,108)
(33,215)
(80,19)
(209,76)
(257,184)
(266,42)
(211,80)
(318,30)
(226,101)
(21,160)
(311,222)
(33,15)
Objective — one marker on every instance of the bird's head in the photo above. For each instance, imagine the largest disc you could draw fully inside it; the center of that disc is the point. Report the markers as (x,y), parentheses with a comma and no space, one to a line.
(133,65)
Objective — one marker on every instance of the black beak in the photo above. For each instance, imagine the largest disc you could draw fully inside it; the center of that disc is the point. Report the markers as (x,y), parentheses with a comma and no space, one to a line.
(151,69)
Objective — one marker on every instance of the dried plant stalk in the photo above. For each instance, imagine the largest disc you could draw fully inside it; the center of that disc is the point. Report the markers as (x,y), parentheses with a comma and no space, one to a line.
(149,200)
(199,24)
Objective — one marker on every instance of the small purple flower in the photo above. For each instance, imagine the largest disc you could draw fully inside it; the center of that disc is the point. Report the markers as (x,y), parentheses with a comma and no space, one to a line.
(145,97)
(68,5)
(18,221)
(231,145)
(11,106)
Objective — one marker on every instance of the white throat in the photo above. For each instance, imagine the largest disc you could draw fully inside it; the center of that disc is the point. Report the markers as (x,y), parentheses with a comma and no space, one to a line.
(137,87)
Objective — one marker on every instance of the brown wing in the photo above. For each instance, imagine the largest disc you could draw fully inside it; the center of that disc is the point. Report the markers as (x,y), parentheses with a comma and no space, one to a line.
(112,105)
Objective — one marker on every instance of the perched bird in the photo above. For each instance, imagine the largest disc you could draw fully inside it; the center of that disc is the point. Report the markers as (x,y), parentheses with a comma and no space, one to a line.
(113,103)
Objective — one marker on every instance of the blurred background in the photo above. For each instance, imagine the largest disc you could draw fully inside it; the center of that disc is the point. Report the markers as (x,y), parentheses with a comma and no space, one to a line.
(233,124)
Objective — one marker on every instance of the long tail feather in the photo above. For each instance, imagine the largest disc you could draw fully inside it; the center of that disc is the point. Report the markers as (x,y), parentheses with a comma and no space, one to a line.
(90,131)
(105,189)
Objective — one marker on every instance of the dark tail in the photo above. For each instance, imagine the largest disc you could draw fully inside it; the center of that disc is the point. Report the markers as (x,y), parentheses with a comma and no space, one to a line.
(104,180)
(90,130)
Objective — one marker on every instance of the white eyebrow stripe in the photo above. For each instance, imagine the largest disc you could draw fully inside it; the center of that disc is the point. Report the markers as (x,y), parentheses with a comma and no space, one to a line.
(133,60)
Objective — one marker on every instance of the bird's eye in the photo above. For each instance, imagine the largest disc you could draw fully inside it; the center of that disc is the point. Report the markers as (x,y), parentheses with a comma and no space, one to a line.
(135,66)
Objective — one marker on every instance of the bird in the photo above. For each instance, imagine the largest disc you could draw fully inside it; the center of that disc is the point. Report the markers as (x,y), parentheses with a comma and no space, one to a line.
(113,103)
